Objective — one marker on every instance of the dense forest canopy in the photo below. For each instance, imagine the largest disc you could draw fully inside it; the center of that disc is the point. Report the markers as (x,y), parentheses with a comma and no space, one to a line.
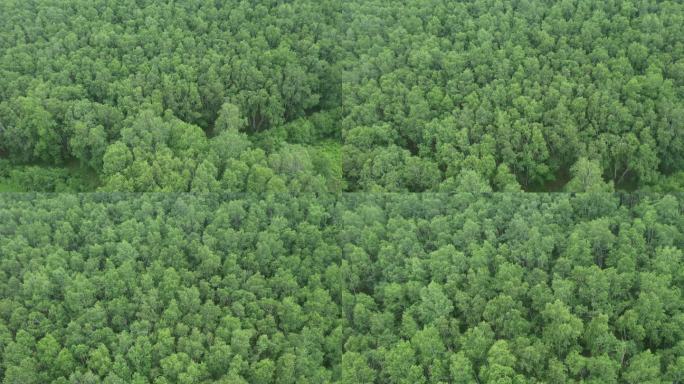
(513,87)
(361,288)
(416,95)
(160,96)
(338,192)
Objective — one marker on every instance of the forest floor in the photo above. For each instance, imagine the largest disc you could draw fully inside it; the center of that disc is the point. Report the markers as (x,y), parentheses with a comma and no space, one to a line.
(561,177)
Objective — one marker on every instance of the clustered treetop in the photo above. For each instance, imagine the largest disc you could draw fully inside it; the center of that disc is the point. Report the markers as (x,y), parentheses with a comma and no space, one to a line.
(419,96)
(265,111)
(378,288)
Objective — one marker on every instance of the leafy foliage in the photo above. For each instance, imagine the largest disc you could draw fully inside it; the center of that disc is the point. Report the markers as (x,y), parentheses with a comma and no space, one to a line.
(246,122)
(377,288)
(419,95)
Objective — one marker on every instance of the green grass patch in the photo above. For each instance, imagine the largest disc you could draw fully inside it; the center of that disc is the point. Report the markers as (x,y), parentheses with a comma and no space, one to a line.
(327,158)
(7,185)
(42,178)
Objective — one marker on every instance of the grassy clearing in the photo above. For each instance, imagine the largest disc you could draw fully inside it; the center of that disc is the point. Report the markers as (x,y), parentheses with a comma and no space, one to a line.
(7,185)
(329,158)
(42,178)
